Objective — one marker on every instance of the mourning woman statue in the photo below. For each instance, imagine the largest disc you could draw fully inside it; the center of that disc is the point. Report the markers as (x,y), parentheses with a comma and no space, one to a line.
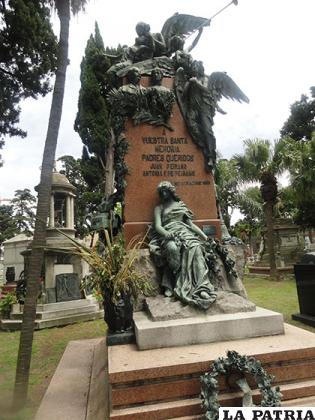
(180,246)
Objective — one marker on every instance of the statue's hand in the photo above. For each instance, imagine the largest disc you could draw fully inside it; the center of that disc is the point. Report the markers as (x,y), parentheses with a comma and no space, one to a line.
(169,235)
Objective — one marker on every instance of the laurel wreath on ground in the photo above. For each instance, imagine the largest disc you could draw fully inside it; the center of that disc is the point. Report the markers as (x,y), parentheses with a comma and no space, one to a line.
(236,363)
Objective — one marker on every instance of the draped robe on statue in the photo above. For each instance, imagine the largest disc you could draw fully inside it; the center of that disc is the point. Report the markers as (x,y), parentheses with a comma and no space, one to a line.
(182,257)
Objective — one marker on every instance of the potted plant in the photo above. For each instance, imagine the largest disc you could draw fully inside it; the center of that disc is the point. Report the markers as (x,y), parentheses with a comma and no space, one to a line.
(6,303)
(113,274)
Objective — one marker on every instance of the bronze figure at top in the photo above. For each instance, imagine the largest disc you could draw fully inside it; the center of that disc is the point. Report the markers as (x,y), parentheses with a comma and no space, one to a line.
(197,94)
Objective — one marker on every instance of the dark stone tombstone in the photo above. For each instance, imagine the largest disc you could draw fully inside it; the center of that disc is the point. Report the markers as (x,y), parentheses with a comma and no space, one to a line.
(10,274)
(305,285)
(67,287)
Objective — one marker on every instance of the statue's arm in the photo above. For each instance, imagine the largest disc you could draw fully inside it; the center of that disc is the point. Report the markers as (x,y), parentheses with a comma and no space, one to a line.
(196,229)
(194,87)
(150,41)
(158,224)
(195,41)
(159,40)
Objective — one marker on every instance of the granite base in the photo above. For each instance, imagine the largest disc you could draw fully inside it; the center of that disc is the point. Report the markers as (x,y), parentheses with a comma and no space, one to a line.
(205,328)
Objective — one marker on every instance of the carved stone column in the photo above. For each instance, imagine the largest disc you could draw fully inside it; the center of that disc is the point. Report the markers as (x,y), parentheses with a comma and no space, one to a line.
(72,212)
(52,212)
(68,212)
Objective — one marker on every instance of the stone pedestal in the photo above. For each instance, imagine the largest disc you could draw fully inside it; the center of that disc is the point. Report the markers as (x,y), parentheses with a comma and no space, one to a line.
(205,328)
(156,154)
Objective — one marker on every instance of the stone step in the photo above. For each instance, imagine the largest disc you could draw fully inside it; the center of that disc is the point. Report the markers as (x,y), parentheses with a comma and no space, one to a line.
(90,308)
(142,382)
(190,418)
(47,307)
(64,305)
(300,402)
(291,394)
(185,385)
(159,411)
(12,325)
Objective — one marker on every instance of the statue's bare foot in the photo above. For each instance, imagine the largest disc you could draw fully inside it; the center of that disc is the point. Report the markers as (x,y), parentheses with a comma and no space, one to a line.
(204,295)
(168,293)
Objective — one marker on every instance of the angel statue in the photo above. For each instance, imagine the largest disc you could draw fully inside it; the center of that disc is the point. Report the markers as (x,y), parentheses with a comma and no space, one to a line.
(155,49)
(198,96)
(178,28)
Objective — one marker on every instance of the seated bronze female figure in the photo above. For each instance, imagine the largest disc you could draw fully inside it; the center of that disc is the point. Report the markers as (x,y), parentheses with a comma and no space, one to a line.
(179,244)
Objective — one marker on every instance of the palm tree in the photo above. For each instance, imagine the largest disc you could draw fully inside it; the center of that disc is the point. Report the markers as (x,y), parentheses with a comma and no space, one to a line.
(261,163)
(250,204)
(299,158)
(26,338)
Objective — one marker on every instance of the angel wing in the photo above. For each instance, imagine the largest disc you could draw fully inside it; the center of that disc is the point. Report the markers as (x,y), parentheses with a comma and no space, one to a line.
(181,24)
(223,85)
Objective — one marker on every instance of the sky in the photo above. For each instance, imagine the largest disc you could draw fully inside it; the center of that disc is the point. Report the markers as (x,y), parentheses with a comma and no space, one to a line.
(266,46)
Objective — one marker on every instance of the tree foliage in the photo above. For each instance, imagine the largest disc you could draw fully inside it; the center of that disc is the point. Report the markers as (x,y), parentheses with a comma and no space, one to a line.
(261,162)
(92,121)
(299,157)
(28,49)
(249,202)
(18,216)
(226,180)
(7,224)
(301,122)
(23,205)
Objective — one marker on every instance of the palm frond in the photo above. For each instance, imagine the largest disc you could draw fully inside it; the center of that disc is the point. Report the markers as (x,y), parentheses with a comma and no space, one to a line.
(249,206)
(114,269)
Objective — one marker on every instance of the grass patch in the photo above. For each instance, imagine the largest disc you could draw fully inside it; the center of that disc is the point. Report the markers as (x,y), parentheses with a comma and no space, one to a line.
(48,347)
(279,296)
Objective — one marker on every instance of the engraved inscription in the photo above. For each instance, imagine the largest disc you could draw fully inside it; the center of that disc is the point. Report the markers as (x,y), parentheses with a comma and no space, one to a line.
(166,158)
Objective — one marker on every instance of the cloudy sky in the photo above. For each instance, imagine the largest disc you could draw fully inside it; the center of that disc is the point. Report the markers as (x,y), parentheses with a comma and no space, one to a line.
(266,46)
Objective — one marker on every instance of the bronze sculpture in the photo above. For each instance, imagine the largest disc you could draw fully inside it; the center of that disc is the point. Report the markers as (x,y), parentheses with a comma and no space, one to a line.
(197,94)
(190,261)
(160,99)
(179,243)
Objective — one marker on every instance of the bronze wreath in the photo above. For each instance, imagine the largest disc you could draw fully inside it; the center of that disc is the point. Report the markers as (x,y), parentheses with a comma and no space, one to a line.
(235,363)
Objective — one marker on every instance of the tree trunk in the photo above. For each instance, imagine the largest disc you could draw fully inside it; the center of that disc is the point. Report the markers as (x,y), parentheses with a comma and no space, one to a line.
(268,208)
(109,167)
(44,189)
(250,243)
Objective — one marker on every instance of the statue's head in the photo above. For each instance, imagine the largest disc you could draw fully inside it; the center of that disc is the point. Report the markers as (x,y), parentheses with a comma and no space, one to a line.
(142,28)
(166,191)
(183,59)
(197,68)
(176,43)
(134,75)
(156,76)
